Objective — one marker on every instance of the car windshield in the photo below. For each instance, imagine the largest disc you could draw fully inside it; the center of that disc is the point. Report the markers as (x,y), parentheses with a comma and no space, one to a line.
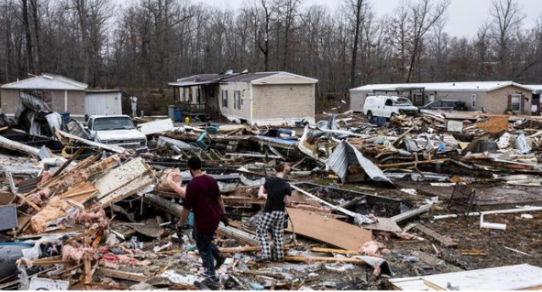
(403,101)
(114,123)
(433,103)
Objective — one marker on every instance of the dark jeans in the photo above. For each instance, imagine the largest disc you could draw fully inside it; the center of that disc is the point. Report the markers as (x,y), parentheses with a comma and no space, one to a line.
(208,252)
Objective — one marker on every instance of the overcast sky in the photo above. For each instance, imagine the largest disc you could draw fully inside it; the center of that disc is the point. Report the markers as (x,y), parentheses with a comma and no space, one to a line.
(464,16)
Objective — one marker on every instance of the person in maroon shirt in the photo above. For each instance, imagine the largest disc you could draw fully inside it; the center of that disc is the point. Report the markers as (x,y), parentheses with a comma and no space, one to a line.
(203,197)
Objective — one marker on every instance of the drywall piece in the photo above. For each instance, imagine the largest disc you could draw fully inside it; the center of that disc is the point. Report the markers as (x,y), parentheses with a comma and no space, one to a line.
(120,180)
(519,277)
(128,190)
(328,230)
(48,284)
(156,127)
(455,126)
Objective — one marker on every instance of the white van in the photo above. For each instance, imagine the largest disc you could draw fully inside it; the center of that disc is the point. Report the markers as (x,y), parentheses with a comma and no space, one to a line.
(387,106)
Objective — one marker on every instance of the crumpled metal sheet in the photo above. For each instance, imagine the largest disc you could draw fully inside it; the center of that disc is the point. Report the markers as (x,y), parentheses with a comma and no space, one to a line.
(339,161)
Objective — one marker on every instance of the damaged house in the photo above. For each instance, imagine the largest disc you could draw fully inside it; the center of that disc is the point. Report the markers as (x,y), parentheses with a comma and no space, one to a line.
(493,96)
(58,94)
(263,98)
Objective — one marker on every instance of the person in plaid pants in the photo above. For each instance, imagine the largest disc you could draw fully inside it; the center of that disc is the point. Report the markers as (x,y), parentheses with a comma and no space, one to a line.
(277,193)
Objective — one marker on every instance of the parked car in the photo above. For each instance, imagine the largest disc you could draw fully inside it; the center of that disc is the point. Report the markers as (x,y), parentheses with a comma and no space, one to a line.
(116,130)
(387,106)
(446,105)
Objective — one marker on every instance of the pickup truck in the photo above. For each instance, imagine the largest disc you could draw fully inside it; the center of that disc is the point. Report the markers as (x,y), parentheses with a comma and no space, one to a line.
(118,131)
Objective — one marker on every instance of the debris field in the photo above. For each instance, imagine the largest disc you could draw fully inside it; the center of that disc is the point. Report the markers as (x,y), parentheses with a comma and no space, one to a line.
(429,202)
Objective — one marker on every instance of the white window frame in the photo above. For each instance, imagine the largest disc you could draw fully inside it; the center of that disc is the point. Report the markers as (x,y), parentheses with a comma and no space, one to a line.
(518,104)
(237,99)
(224,98)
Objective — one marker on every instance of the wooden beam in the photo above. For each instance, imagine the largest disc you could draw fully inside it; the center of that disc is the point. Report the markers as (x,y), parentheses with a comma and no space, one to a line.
(335,251)
(247,249)
(446,242)
(135,277)
(322,259)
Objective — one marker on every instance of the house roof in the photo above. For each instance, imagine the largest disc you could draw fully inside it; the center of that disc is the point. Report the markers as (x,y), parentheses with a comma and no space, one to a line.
(536,88)
(96,91)
(253,78)
(482,86)
(46,82)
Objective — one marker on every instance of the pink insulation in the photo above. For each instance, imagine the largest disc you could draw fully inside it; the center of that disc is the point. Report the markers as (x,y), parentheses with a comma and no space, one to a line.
(55,209)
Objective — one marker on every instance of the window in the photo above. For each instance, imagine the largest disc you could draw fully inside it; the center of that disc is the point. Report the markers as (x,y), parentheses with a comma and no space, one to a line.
(403,101)
(224,98)
(48,100)
(237,99)
(474,100)
(389,102)
(515,102)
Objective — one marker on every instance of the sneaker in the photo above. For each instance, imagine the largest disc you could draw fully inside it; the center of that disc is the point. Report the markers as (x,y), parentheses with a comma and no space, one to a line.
(219,261)
(207,284)
(262,260)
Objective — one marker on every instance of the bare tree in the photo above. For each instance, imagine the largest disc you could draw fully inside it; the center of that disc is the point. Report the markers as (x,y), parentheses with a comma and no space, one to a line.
(267,12)
(507,18)
(26,25)
(356,8)
(424,16)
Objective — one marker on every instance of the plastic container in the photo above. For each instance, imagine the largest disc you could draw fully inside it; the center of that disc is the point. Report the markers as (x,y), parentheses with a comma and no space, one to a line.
(65,118)
(178,117)
(10,252)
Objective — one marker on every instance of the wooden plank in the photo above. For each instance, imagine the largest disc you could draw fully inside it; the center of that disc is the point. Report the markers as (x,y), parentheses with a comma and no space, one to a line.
(247,249)
(446,242)
(135,277)
(241,236)
(335,251)
(322,259)
(519,277)
(328,230)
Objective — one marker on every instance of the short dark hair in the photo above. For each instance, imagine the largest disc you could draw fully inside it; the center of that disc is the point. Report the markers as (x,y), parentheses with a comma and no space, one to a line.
(194,163)
(280,167)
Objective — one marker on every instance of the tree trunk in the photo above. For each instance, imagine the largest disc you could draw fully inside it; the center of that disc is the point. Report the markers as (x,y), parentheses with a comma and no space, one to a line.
(34,4)
(357,30)
(26,25)
(82,14)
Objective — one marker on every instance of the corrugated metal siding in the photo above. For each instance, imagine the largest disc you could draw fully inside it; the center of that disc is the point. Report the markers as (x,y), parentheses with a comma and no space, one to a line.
(107,103)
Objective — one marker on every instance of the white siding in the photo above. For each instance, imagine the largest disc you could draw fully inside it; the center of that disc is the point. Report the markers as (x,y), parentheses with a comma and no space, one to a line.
(103,103)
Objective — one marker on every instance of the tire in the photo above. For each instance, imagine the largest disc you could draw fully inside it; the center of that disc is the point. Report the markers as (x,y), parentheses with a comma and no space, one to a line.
(370,116)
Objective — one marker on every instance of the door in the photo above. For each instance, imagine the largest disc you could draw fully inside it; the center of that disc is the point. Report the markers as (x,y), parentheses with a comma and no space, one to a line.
(388,108)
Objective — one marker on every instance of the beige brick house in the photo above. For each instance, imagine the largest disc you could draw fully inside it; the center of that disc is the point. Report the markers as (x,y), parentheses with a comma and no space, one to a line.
(493,96)
(265,98)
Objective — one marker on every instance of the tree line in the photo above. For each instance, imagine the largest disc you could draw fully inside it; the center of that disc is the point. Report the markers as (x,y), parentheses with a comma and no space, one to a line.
(147,43)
